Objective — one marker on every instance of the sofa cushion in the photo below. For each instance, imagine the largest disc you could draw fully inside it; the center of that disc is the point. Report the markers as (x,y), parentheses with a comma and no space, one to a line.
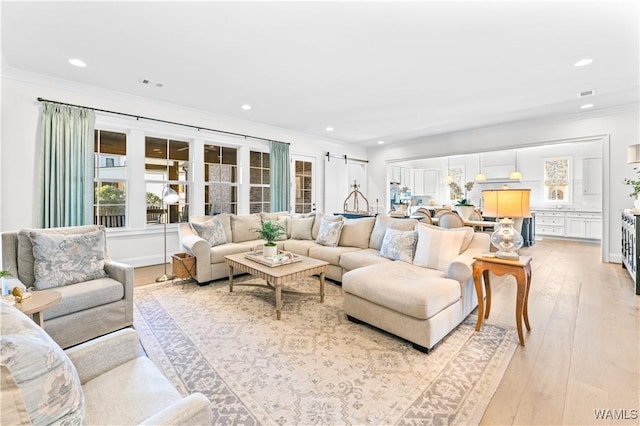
(39,381)
(273,216)
(399,245)
(210,230)
(356,232)
(301,228)
(300,247)
(25,248)
(468,236)
(244,226)
(224,218)
(67,259)
(219,252)
(361,258)
(329,232)
(121,395)
(409,289)
(437,247)
(329,254)
(85,295)
(382,223)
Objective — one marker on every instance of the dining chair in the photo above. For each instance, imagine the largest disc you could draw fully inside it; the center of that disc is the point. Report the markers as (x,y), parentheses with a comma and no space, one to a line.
(450,220)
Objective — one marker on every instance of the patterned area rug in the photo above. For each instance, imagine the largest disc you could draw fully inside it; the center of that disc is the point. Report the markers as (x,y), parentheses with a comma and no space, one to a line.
(314,366)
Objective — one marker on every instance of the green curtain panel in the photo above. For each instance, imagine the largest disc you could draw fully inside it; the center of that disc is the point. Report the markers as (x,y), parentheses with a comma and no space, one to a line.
(280,165)
(66,166)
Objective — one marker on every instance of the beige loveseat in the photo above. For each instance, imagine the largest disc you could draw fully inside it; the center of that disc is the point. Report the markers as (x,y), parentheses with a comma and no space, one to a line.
(420,298)
(91,307)
(101,382)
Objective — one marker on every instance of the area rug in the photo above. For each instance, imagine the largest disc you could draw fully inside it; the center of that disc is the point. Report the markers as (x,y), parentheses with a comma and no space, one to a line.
(314,366)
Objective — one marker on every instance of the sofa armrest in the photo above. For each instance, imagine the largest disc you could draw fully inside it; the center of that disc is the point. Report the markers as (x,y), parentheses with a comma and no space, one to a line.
(461,268)
(195,409)
(102,354)
(201,249)
(122,273)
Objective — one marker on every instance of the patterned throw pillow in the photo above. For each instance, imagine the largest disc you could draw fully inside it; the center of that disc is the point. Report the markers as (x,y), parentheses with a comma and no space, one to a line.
(284,222)
(210,230)
(67,259)
(329,232)
(301,228)
(40,385)
(436,248)
(399,245)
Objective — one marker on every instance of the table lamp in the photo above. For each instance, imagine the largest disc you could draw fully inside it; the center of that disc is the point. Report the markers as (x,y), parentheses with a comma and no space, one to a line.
(506,204)
(169,196)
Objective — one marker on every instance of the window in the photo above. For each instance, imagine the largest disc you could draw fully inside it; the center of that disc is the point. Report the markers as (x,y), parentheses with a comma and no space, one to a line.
(166,165)
(303,186)
(220,180)
(259,189)
(110,178)
(557,179)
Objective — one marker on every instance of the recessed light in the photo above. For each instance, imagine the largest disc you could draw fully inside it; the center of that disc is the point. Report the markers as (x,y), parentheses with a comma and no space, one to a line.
(329,129)
(586,106)
(246,107)
(583,62)
(77,62)
(380,142)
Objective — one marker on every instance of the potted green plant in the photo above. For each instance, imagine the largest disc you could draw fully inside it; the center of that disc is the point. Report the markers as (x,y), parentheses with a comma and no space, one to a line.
(270,231)
(464,207)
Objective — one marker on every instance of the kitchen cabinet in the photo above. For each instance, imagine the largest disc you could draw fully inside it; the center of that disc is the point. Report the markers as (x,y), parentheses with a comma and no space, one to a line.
(405,178)
(395,174)
(570,224)
(592,176)
(418,182)
(431,181)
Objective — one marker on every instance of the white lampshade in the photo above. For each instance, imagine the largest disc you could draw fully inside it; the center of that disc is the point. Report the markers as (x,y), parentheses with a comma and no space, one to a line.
(515,175)
(633,154)
(169,196)
(480,177)
(506,203)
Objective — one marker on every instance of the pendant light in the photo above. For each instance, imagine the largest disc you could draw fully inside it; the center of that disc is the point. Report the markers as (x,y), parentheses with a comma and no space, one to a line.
(515,175)
(448,178)
(480,177)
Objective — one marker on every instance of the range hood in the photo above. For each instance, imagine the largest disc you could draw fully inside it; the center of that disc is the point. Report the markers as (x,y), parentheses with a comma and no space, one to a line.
(498,174)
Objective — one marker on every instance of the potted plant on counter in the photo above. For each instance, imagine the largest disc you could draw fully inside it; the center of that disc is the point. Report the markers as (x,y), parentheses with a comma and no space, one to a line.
(270,231)
(464,207)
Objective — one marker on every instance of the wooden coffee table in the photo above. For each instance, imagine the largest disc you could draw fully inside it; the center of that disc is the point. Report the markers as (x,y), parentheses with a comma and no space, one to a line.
(38,302)
(277,276)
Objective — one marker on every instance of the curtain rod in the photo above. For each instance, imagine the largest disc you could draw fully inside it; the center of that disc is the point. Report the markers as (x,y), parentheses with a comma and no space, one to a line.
(138,117)
(343,157)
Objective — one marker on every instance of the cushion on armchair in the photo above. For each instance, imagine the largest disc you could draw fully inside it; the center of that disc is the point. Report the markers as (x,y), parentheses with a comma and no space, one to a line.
(40,385)
(67,259)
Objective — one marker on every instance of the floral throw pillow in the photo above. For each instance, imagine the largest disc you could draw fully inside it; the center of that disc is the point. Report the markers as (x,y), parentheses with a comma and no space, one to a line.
(329,233)
(399,245)
(61,259)
(40,385)
(210,230)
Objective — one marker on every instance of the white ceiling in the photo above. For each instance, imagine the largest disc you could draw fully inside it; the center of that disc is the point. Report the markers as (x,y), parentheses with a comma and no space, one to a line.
(388,71)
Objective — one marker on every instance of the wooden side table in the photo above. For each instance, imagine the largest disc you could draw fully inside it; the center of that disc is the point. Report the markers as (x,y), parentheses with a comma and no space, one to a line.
(38,302)
(520,269)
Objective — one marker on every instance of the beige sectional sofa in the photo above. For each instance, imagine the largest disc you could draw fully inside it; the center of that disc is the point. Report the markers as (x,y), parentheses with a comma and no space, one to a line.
(420,298)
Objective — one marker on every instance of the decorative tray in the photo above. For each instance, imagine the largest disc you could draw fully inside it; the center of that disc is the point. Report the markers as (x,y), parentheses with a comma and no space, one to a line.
(282,258)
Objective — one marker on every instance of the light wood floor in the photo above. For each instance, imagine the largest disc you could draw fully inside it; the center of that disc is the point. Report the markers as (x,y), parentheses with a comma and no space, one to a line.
(583,350)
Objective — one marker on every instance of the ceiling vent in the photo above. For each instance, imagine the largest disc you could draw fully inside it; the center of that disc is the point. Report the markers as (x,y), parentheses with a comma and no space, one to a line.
(587,93)
(151,83)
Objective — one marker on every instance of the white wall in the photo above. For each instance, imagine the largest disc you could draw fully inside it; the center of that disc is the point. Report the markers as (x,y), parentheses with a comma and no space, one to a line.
(620,127)
(138,246)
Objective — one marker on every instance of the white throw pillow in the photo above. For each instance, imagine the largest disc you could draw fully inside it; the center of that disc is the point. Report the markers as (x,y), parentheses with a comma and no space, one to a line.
(399,245)
(211,230)
(468,236)
(436,248)
(329,232)
(301,228)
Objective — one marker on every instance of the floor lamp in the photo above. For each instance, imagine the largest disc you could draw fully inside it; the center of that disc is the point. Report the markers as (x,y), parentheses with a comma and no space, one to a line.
(169,196)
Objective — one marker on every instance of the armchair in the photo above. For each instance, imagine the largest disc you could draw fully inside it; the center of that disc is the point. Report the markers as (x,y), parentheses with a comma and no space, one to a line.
(89,307)
(100,382)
